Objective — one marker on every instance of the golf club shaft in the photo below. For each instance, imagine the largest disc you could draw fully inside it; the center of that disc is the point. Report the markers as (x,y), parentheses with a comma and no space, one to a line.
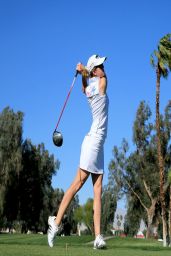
(72,85)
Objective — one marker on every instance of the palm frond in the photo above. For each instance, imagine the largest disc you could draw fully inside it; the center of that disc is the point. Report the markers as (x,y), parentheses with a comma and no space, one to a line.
(163,69)
(166,41)
(152,61)
(164,51)
(166,38)
(157,54)
(169,64)
(163,55)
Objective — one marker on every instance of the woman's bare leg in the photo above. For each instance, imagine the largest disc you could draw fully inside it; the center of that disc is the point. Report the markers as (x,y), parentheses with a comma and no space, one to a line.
(78,182)
(97,184)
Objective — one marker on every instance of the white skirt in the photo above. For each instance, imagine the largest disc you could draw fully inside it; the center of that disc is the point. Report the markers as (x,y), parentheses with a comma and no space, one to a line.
(92,154)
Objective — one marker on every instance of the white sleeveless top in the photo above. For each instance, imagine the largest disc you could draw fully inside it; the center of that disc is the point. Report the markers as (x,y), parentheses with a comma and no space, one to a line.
(99,107)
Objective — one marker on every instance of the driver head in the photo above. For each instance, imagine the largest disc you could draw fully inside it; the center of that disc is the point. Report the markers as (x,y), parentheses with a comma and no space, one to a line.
(57,139)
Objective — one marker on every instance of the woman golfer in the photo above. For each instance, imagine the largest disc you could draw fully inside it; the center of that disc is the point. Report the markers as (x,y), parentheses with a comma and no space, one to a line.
(94,83)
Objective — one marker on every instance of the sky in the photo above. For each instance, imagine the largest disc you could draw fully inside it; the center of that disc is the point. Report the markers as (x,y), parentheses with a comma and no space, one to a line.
(41,41)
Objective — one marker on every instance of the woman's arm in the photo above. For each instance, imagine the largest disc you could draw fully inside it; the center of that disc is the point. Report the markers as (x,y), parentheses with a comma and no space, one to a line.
(83,71)
(103,85)
(84,83)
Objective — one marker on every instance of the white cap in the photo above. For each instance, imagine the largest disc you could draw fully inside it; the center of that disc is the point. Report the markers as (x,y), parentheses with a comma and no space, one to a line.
(93,61)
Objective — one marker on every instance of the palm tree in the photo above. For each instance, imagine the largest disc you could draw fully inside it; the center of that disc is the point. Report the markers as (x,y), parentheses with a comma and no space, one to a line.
(161,61)
(169,182)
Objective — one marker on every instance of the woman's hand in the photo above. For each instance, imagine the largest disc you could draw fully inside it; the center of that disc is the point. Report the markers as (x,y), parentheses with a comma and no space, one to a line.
(80,68)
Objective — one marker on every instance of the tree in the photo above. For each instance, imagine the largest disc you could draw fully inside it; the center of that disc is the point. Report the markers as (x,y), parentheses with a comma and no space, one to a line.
(169,182)
(26,174)
(109,205)
(68,222)
(88,215)
(145,155)
(78,217)
(135,213)
(136,173)
(165,128)
(84,214)
(35,185)
(70,214)
(161,61)
(10,161)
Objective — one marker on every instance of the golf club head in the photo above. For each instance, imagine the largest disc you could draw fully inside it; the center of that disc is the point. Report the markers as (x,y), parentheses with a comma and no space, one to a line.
(57,139)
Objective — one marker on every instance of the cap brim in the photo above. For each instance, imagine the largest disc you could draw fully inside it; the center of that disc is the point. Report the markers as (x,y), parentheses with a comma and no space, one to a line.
(100,61)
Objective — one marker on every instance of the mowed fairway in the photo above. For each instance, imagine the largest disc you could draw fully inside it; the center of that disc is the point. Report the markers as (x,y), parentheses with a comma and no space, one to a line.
(34,245)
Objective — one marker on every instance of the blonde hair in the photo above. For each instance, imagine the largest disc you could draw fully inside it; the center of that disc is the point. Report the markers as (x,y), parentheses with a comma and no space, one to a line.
(85,73)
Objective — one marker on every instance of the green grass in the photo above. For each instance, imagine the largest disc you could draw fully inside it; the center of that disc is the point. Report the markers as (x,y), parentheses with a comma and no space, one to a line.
(34,245)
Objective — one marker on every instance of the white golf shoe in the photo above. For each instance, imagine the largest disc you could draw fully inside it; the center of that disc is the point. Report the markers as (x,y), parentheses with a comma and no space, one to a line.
(99,242)
(52,230)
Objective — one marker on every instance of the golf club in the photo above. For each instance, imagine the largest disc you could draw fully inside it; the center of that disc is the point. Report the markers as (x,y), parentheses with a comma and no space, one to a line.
(57,136)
